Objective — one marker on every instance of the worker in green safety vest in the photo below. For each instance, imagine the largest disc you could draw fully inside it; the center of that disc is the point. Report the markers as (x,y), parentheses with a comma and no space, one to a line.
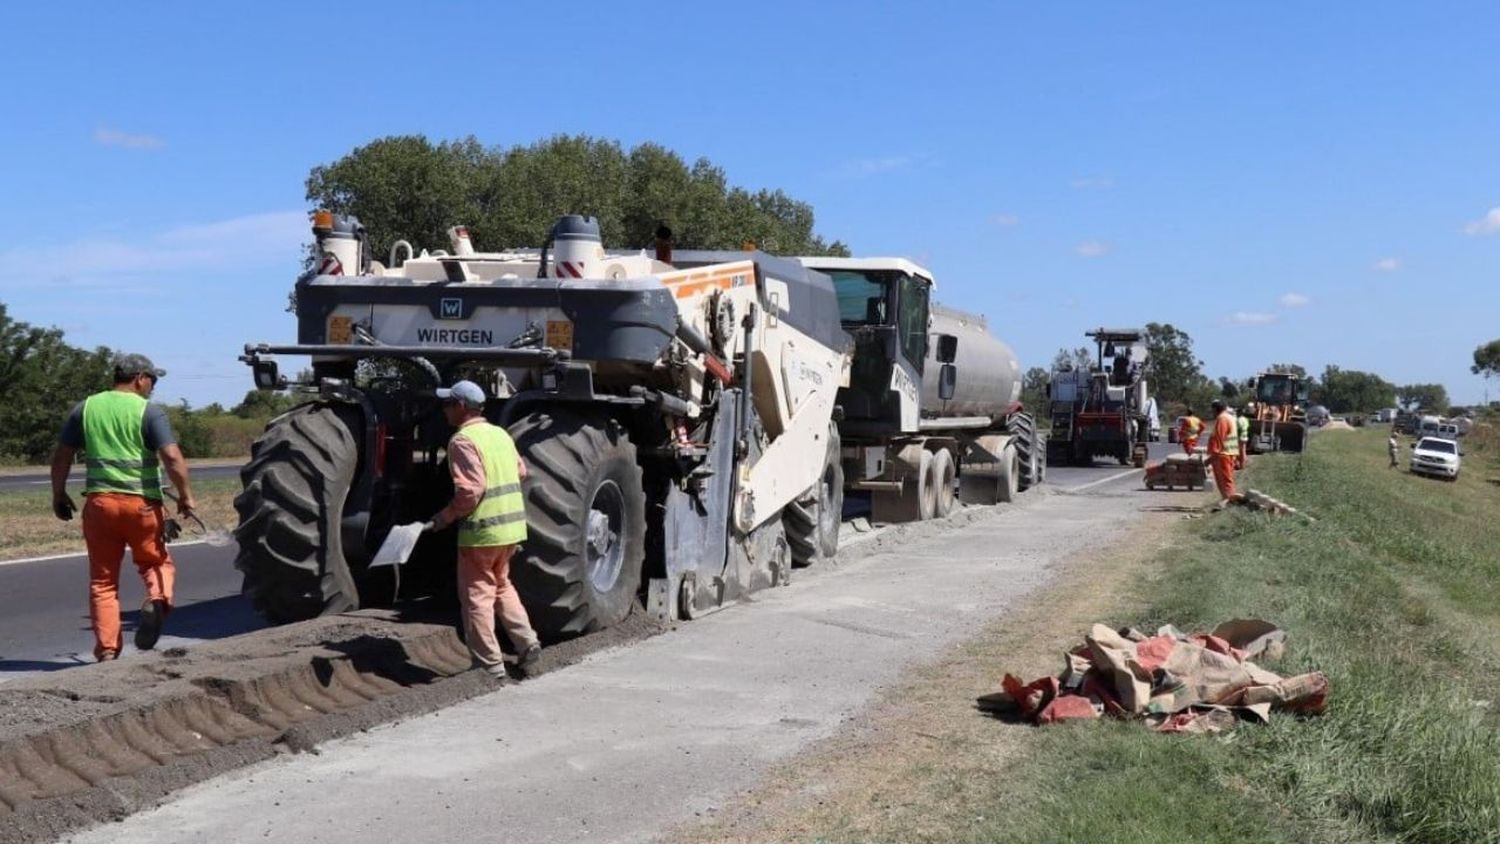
(490,512)
(126,443)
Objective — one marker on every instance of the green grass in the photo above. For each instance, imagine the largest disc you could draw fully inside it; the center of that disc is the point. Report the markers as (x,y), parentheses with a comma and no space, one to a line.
(28,528)
(1394,593)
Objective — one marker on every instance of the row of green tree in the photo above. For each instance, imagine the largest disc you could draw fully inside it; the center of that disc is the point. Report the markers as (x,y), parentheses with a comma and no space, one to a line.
(42,376)
(1178,380)
(408,188)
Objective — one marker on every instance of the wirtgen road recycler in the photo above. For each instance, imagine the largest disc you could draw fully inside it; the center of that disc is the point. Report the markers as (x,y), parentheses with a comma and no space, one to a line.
(676,413)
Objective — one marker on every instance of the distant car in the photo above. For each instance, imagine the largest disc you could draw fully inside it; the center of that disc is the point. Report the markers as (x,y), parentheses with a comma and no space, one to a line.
(1318,416)
(1437,457)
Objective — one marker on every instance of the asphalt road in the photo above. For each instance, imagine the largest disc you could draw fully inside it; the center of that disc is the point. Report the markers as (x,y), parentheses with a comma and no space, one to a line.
(679,723)
(44,609)
(44,624)
(34,480)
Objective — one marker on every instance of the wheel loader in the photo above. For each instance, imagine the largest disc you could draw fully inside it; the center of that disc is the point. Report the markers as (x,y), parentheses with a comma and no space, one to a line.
(1278,417)
(675,412)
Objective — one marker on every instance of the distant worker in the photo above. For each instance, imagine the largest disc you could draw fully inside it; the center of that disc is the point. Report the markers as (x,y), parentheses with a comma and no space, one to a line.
(1223,446)
(1192,428)
(126,441)
(1393,446)
(1243,421)
(491,516)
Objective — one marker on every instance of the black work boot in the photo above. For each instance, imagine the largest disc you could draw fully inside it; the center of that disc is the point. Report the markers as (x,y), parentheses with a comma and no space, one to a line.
(149,628)
(527,663)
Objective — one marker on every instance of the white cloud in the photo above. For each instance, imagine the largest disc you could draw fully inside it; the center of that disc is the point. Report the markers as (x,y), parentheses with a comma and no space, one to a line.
(858,168)
(1486,225)
(1250,318)
(1093,248)
(1386,265)
(116,138)
(1093,182)
(1005,220)
(1293,300)
(111,263)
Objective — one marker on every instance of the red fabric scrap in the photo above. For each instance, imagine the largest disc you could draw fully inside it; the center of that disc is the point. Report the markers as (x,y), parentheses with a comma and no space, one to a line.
(1213,643)
(1068,708)
(1153,652)
(1031,697)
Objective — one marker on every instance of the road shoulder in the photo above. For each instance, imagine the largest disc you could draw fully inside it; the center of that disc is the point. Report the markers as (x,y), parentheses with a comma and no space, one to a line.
(874,779)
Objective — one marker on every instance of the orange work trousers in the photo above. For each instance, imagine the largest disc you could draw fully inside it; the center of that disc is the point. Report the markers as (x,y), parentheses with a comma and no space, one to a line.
(1189,445)
(483,589)
(112,522)
(1223,473)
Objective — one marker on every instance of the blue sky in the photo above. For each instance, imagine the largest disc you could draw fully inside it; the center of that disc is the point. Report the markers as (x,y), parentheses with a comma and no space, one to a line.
(1317,183)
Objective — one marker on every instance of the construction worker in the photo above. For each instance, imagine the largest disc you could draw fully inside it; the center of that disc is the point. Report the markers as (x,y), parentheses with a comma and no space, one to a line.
(126,442)
(1243,422)
(1192,428)
(491,517)
(1223,446)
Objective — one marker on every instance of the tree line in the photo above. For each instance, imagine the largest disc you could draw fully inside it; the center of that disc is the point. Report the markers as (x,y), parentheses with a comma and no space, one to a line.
(42,376)
(409,188)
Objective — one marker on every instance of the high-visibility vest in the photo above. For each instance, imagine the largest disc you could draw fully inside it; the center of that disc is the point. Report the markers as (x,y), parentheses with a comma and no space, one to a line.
(1244,428)
(500,518)
(1226,443)
(1194,426)
(115,455)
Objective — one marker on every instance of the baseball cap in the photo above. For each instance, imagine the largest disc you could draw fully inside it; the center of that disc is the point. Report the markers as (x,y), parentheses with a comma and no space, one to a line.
(132,364)
(465,391)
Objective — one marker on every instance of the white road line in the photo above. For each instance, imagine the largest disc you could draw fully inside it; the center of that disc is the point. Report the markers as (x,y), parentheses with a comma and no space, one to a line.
(1091,484)
(85,554)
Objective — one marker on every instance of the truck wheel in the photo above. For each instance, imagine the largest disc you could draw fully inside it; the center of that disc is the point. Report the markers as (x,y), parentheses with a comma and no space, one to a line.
(988,484)
(1009,477)
(916,500)
(945,474)
(291,510)
(812,527)
(1031,453)
(580,567)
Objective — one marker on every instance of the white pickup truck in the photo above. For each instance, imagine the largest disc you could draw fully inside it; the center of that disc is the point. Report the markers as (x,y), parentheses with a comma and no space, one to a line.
(1437,457)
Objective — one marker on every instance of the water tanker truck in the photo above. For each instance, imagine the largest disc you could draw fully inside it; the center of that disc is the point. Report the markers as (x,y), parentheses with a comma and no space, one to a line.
(932,396)
(675,412)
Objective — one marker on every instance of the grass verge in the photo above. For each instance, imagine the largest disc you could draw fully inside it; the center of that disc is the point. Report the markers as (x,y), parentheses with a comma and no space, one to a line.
(1392,592)
(28,528)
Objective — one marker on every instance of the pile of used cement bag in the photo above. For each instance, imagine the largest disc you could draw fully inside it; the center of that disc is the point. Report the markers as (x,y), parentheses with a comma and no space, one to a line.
(1175,682)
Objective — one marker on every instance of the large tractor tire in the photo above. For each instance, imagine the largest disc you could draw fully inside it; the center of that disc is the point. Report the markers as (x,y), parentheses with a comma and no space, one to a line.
(580,567)
(812,525)
(291,548)
(1031,451)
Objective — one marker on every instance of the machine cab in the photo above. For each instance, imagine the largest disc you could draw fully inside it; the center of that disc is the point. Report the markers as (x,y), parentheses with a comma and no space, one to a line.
(885,305)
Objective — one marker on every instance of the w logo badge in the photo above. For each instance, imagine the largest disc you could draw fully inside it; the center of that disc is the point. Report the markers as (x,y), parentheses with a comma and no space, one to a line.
(451,309)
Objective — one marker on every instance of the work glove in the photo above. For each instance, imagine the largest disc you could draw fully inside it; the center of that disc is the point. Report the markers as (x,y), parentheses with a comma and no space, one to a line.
(63,507)
(429,526)
(170,530)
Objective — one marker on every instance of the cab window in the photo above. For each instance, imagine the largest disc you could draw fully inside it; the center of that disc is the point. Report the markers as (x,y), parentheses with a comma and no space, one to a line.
(914,293)
(862,299)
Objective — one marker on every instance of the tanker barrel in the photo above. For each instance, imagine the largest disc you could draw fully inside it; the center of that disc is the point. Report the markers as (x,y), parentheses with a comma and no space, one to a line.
(989,374)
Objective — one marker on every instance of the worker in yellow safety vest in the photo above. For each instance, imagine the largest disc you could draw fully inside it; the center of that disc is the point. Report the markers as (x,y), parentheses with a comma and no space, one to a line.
(490,512)
(1192,428)
(1244,424)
